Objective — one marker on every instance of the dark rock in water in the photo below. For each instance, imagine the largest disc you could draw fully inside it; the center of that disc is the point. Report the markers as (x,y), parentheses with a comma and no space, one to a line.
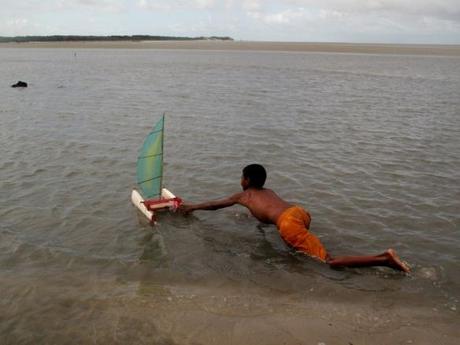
(20,84)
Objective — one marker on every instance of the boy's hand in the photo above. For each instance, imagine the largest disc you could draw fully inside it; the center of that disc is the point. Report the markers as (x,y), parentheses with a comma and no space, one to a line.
(186,209)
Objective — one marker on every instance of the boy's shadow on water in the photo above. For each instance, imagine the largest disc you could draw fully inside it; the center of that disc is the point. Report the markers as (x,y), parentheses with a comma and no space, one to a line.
(153,247)
(152,242)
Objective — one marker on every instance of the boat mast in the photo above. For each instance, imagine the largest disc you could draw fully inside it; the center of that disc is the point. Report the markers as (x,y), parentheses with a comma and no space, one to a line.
(162,154)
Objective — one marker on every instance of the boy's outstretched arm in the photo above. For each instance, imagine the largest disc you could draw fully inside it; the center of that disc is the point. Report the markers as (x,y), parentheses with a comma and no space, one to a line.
(211,205)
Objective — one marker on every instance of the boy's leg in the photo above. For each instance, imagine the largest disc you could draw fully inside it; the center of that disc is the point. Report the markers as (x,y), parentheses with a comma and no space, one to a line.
(388,259)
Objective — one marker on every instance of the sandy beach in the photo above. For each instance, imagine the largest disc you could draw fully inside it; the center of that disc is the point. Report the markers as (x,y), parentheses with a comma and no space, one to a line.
(364,48)
(144,313)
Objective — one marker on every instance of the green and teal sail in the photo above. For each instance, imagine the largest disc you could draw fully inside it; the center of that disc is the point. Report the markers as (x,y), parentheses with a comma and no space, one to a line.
(150,163)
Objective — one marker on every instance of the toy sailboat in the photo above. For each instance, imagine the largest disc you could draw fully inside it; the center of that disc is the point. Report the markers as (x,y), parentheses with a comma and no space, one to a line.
(152,196)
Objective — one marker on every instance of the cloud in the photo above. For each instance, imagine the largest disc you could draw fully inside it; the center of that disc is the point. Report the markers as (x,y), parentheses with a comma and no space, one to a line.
(97,5)
(252,5)
(159,5)
(351,20)
(284,17)
(19,26)
(16,24)
(441,9)
(29,6)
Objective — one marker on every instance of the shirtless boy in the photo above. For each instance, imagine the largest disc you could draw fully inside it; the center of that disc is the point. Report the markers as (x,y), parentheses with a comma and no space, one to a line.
(293,222)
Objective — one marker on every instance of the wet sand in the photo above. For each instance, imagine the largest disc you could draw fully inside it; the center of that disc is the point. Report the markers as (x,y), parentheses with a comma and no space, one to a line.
(364,48)
(105,311)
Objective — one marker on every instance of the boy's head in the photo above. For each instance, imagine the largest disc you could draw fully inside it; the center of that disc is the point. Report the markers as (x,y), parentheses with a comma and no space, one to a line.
(254,176)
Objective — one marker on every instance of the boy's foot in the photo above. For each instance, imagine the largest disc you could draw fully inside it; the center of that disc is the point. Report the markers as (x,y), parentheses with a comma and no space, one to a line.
(395,262)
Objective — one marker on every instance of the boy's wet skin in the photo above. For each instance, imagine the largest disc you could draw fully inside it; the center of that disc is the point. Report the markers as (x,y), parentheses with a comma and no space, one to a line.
(293,222)
(263,204)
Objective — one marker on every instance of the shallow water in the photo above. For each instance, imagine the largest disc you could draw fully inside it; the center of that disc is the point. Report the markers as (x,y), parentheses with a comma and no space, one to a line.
(370,144)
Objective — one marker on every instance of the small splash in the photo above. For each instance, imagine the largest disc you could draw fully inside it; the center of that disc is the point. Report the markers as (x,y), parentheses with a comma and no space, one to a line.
(429,273)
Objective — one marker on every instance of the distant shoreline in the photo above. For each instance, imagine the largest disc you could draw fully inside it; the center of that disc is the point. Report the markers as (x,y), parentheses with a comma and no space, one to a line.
(110,38)
(216,44)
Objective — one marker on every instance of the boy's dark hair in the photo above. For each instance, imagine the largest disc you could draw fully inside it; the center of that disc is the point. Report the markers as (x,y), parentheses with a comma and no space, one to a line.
(256,175)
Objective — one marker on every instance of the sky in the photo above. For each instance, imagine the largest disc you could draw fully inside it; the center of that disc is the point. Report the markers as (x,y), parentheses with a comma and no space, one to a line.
(360,21)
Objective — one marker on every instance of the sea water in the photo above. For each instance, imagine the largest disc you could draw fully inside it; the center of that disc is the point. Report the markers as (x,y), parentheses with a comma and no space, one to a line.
(369,144)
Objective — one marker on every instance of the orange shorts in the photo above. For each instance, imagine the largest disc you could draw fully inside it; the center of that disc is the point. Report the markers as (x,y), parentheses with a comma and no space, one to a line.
(293,226)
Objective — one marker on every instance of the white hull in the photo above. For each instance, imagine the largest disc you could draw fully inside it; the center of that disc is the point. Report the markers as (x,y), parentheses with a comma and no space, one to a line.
(137,200)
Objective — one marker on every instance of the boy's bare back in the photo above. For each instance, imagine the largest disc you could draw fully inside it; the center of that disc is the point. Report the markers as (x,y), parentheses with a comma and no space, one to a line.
(264,204)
